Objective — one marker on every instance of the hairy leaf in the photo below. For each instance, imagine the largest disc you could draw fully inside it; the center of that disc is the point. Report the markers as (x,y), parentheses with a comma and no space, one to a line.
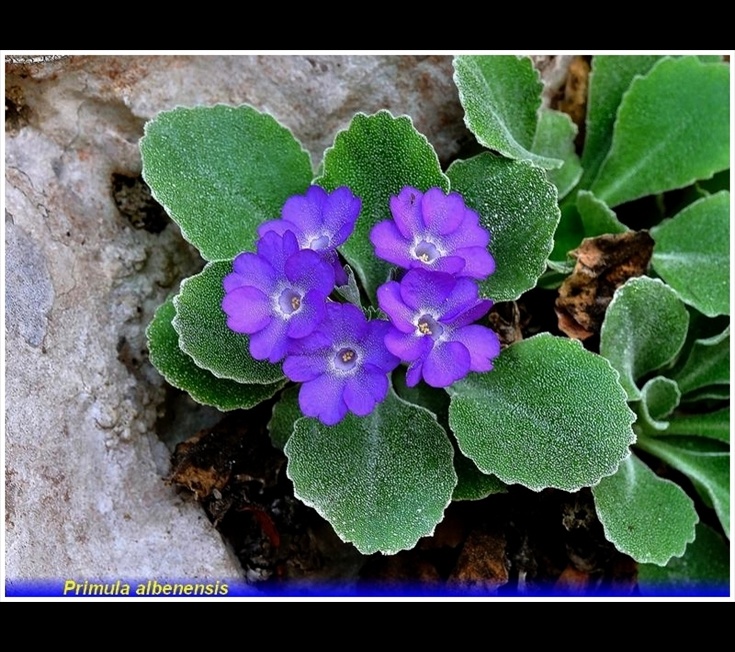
(708,364)
(692,253)
(204,335)
(501,96)
(518,206)
(704,461)
(554,138)
(382,481)
(644,516)
(376,156)
(644,329)
(704,569)
(220,171)
(672,128)
(181,371)
(550,414)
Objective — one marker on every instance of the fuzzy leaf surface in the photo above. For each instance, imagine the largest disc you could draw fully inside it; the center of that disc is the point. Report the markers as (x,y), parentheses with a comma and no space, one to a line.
(554,138)
(715,425)
(473,484)
(383,481)
(181,371)
(220,171)
(644,516)
(519,207)
(704,569)
(659,398)
(501,96)
(376,156)
(672,128)
(704,462)
(550,414)
(285,413)
(692,253)
(645,327)
(609,79)
(203,333)
(597,217)
(708,364)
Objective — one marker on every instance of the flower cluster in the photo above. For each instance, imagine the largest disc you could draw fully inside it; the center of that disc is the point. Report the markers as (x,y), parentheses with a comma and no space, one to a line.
(280,297)
(433,308)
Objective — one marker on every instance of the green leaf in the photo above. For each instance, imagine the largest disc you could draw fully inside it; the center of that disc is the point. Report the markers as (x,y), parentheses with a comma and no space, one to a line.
(673,128)
(704,462)
(501,96)
(644,516)
(350,292)
(518,206)
(597,217)
(181,372)
(645,327)
(376,157)
(220,171)
(204,335)
(473,484)
(708,364)
(715,425)
(609,79)
(550,414)
(285,413)
(659,397)
(704,568)
(692,253)
(570,231)
(554,138)
(382,481)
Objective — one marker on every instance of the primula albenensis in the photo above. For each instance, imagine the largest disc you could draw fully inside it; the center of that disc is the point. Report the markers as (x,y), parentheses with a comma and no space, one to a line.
(432,315)
(320,221)
(434,231)
(276,294)
(343,365)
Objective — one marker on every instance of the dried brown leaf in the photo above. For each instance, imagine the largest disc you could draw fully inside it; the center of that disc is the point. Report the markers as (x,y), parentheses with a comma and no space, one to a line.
(603,264)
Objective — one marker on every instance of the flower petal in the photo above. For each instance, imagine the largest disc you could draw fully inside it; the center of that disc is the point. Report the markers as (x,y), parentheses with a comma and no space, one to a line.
(340,214)
(479,263)
(248,310)
(482,344)
(307,270)
(302,368)
(391,303)
(422,290)
(309,316)
(442,213)
(250,269)
(270,343)
(413,373)
(322,398)
(406,211)
(306,210)
(409,347)
(446,363)
(390,245)
(364,390)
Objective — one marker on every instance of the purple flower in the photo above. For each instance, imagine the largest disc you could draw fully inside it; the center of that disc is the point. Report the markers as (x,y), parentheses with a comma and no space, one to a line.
(432,315)
(343,365)
(320,222)
(276,294)
(434,231)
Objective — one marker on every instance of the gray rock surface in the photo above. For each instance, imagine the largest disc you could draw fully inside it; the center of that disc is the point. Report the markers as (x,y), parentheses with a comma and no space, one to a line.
(85,467)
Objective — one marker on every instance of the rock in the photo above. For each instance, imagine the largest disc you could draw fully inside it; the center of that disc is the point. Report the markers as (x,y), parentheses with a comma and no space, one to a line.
(85,269)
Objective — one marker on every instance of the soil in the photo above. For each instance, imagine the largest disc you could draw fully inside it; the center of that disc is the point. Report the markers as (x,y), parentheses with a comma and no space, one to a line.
(521,542)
